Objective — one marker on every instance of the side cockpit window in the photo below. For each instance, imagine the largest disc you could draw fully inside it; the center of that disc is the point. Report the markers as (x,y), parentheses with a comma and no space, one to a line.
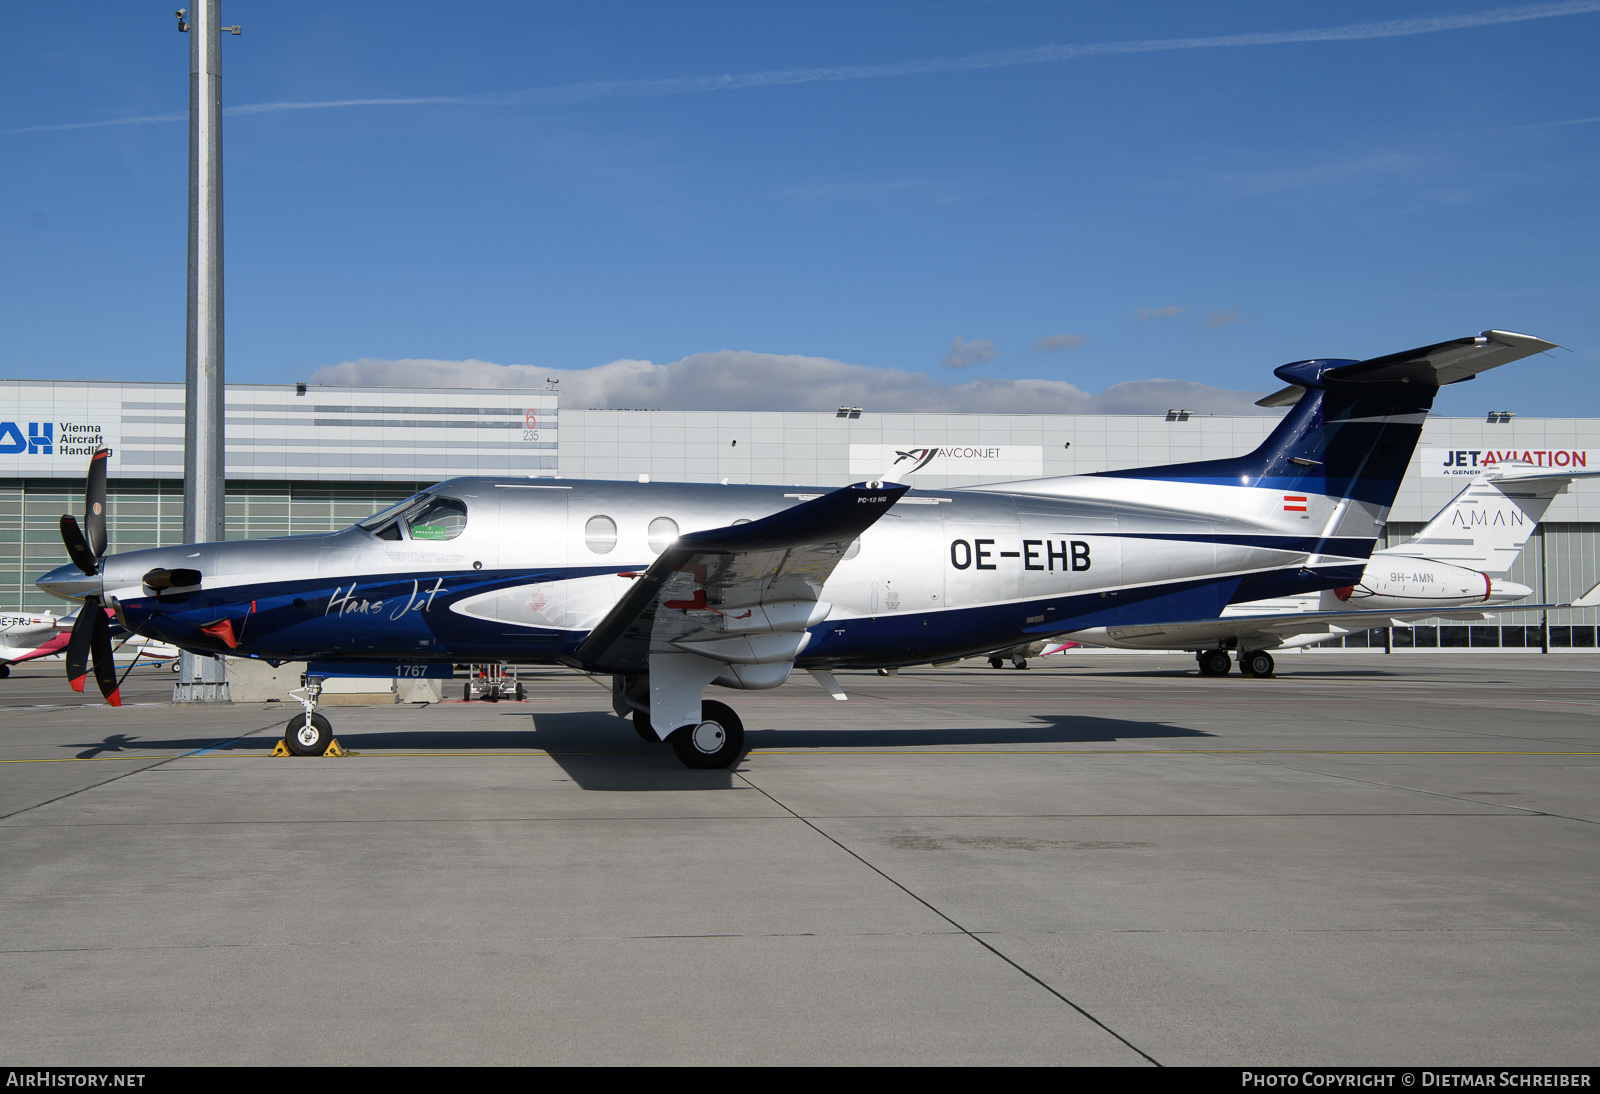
(439,519)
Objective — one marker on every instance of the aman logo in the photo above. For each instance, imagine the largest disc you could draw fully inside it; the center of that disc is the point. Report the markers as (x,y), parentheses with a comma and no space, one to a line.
(42,439)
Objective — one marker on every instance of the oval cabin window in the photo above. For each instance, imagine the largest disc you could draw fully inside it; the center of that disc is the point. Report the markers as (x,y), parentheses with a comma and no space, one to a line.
(600,534)
(663,530)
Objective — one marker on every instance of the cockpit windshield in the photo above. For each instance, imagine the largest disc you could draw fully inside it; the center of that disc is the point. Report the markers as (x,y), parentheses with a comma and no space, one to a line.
(426,517)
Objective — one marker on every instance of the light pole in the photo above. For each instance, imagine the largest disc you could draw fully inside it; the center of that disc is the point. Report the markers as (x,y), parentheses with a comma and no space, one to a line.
(202,679)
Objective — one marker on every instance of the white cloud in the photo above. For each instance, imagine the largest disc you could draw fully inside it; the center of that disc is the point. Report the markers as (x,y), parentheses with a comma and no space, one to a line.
(1050,343)
(743,380)
(1167,311)
(1216,319)
(975,352)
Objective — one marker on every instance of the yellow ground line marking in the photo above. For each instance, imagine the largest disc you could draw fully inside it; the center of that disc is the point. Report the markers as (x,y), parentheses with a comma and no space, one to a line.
(909,750)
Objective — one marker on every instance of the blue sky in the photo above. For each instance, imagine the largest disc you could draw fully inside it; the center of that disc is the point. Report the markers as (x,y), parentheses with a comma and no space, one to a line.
(920,187)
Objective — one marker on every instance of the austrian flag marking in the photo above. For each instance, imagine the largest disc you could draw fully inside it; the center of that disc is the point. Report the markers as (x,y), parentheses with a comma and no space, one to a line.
(1294,503)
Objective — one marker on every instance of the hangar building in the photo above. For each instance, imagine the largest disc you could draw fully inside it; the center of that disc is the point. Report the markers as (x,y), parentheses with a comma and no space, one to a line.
(312,459)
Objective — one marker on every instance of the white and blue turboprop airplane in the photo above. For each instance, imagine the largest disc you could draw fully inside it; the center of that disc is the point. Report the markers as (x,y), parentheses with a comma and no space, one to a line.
(670,587)
(1453,569)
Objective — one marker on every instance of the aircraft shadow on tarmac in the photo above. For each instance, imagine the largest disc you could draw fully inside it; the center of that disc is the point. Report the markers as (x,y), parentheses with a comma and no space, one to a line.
(600,751)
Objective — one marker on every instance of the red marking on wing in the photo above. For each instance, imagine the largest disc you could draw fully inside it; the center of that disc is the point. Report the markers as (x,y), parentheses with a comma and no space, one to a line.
(698,604)
(1345,593)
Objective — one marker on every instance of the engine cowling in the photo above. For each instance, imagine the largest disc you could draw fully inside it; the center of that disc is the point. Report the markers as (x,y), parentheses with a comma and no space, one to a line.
(1413,583)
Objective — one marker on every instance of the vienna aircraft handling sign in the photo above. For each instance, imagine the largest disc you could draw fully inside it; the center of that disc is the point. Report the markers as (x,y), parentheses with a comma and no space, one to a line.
(1464,463)
(900,461)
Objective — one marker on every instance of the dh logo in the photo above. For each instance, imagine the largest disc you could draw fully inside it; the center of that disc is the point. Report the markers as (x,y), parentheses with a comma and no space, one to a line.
(37,443)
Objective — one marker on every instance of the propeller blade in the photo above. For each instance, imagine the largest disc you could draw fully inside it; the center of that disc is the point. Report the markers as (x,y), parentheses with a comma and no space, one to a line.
(94,502)
(77,546)
(105,669)
(82,635)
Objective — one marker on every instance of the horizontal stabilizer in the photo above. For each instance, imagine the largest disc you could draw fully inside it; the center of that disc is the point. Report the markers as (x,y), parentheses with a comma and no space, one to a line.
(1434,366)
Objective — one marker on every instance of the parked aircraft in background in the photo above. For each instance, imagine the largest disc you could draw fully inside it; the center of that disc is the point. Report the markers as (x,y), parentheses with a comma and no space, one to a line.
(670,587)
(30,637)
(1454,568)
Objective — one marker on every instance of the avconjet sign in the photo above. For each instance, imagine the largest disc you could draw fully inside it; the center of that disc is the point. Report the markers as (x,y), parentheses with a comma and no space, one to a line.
(899,461)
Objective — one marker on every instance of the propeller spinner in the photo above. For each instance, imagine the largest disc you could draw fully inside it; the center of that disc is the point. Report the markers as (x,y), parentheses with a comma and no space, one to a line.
(91,634)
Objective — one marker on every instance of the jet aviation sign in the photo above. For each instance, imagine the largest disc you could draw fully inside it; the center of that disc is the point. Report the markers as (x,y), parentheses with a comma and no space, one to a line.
(1464,463)
(900,461)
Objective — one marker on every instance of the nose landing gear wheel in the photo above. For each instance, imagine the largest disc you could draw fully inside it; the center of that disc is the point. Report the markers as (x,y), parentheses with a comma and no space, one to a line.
(717,740)
(308,736)
(1258,663)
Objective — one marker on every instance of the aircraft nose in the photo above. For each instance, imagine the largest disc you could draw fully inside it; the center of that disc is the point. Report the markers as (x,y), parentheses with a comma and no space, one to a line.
(1501,591)
(70,583)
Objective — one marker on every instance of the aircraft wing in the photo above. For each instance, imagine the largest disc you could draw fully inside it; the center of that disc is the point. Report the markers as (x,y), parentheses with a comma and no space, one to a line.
(1272,628)
(741,595)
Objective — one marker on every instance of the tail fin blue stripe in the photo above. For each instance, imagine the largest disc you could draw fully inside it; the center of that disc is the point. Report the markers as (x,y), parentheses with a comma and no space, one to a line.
(1342,439)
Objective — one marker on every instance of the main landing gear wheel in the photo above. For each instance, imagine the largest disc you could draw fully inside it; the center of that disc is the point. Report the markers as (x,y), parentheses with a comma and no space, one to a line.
(308,735)
(997,663)
(5,670)
(717,741)
(1214,662)
(1257,663)
(1019,663)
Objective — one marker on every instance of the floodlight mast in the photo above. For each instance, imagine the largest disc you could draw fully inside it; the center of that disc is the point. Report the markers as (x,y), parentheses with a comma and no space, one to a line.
(202,679)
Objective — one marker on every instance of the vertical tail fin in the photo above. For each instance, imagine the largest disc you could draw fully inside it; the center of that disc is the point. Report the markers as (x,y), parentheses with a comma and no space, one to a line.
(1486,526)
(1353,425)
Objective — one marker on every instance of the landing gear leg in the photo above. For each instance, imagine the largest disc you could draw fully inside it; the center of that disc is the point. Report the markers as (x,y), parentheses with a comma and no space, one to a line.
(309,733)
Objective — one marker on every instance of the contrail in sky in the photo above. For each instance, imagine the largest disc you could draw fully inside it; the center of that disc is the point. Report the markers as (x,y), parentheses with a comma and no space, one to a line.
(691,85)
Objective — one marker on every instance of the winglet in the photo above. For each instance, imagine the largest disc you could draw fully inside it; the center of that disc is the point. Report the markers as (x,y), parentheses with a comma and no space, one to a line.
(1589,599)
